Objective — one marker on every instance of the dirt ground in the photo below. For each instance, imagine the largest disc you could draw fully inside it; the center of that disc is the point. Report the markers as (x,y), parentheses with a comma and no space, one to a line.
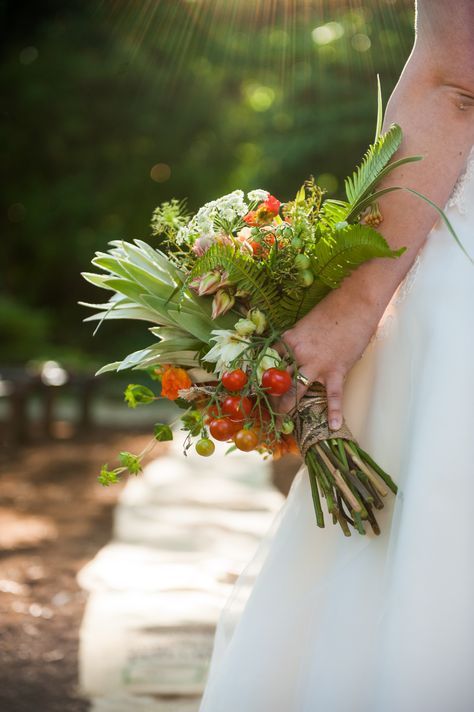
(54,516)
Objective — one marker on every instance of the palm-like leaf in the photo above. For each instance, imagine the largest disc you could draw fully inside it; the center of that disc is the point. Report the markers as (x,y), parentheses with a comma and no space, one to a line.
(335,259)
(366,176)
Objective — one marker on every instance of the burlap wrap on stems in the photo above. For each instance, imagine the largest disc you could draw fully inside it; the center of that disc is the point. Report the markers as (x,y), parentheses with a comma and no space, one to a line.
(311,420)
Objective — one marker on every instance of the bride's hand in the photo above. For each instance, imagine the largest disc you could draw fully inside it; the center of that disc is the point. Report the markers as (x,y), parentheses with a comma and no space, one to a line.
(325,344)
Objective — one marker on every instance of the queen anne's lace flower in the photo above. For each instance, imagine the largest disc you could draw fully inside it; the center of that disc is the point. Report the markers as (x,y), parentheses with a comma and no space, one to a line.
(258,195)
(208,220)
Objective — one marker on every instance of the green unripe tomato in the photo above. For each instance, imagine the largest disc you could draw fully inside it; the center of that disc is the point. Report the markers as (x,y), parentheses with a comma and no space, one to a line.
(296,243)
(205,447)
(287,426)
(306,278)
(302,261)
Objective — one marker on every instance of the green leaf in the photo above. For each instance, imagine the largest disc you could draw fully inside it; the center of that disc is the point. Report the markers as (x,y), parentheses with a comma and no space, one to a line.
(357,208)
(108,367)
(162,432)
(130,462)
(444,217)
(108,477)
(244,272)
(333,260)
(367,175)
(378,125)
(192,422)
(136,394)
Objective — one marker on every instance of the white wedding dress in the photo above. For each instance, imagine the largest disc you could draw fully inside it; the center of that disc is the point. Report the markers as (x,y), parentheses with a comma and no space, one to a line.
(322,623)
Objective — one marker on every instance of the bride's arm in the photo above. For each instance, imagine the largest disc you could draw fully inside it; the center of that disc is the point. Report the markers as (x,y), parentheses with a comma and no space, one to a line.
(433,102)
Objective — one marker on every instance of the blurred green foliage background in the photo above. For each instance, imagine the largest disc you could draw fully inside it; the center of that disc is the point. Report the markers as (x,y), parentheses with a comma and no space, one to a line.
(112,106)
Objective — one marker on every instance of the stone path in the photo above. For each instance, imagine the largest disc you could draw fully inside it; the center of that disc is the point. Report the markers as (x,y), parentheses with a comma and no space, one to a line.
(182,534)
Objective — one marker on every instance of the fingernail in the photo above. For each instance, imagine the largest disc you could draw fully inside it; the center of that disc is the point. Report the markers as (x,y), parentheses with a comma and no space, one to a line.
(335,423)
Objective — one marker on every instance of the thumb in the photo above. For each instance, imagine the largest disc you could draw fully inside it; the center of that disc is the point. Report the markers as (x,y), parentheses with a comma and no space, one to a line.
(334,386)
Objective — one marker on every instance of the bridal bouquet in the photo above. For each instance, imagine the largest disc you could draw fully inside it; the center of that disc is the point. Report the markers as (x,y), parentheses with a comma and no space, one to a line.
(219,289)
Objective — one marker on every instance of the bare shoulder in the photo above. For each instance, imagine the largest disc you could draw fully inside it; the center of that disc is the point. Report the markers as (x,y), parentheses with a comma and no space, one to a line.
(445,37)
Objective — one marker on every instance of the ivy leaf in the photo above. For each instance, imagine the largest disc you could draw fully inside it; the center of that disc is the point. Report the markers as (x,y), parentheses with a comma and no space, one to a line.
(138,395)
(162,432)
(131,462)
(192,422)
(108,477)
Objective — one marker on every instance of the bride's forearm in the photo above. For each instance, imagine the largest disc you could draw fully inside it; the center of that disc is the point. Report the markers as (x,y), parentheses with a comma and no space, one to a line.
(434,104)
(436,113)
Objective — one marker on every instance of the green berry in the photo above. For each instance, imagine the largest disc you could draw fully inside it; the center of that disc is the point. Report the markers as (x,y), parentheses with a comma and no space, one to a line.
(302,262)
(205,447)
(306,278)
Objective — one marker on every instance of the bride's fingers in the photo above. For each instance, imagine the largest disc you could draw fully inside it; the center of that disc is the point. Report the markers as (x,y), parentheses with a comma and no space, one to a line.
(334,385)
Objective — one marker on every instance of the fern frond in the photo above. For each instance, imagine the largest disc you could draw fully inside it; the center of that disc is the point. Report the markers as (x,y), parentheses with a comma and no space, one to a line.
(291,309)
(334,259)
(367,175)
(243,271)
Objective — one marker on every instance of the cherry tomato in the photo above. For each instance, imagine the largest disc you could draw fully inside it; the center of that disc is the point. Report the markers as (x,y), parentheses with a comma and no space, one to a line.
(234,380)
(246,440)
(222,429)
(276,381)
(205,447)
(211,413)
(260,415)
(256,247)
(237,408)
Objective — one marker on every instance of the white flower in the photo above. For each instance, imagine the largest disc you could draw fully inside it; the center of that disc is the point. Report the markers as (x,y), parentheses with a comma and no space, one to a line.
(228,347)
(270,359)
(182,235)
(258,195)
(208,220)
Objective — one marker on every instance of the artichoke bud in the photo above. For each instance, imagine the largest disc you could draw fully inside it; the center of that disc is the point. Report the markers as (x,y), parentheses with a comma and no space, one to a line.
(245,327)
(222,302)
(209,283)
(259,319)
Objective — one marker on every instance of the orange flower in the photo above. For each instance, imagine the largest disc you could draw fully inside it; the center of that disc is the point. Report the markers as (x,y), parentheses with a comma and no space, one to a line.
(286,445)
(173,380)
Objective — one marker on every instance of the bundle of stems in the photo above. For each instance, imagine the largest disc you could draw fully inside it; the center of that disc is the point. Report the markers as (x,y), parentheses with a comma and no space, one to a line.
(350,481)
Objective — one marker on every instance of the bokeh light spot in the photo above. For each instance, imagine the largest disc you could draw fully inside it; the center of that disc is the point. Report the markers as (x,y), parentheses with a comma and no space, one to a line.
(325,34)
(161,172)
(259,97)
(28,55)
(16,212)
(361,42)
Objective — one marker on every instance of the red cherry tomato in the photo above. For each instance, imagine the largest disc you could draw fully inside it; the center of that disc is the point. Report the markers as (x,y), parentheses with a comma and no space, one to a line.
(211,413)
(237,408)
(276,381)
(246,440)
(234,380)
(222,429)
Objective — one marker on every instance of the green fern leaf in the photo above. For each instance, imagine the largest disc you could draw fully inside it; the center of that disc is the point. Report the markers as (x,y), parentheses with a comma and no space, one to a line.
(290,309)
(245,273)
(367,175)
(335,259)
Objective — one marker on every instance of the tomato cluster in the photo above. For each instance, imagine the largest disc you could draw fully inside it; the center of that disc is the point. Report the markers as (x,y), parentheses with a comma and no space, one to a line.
(240,417)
